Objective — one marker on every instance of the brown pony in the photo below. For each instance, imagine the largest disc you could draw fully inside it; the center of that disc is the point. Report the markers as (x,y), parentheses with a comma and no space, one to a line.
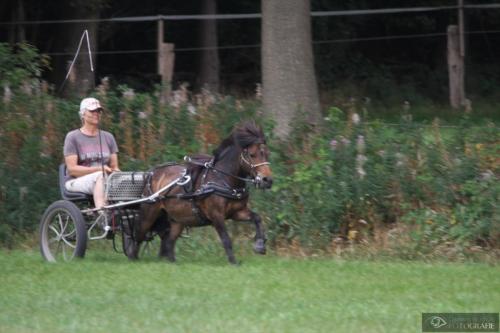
(217,192)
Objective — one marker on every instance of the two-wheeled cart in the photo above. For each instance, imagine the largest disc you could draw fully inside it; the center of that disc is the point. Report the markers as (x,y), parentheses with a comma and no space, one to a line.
(68,224)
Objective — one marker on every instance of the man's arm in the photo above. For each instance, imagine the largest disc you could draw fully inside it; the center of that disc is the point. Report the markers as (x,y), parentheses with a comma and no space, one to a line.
(76,170)
(113,162)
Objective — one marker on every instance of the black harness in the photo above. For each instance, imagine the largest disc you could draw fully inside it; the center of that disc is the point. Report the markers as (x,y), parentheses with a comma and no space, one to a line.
(208,188)
(205,189)
(217,189)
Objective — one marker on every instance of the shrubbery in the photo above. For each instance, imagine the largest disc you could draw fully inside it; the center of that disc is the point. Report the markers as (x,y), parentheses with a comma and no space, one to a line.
(357,179)
(416,189)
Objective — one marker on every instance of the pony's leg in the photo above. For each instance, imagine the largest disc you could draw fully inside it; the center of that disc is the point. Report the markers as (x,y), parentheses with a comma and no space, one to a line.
(167,248)
(226,241)
(260,237)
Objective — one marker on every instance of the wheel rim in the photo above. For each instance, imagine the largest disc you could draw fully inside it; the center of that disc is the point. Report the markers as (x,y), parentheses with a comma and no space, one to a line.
(147,249)
(150,248)
(60,237)
(128,245)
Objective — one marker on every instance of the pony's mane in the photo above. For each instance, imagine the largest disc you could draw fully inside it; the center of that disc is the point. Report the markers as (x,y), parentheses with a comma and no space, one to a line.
(242,136)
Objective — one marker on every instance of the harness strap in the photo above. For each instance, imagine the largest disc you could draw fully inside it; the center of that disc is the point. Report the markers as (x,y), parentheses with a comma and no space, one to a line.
(210,165)
(213,188)
(149,177)
(198,213)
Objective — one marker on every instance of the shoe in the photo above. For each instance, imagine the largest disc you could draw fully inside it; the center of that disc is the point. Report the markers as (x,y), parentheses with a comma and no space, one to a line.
(110,234)
(105,218)
(102,220)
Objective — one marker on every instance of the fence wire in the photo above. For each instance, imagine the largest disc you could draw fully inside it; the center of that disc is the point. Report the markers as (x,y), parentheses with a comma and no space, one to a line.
(317,42)
(258,15)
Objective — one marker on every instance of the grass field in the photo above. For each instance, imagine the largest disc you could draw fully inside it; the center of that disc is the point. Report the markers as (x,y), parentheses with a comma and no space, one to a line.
(202,293)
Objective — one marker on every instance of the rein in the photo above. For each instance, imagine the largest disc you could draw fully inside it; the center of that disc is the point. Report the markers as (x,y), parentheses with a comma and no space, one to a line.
(247,180)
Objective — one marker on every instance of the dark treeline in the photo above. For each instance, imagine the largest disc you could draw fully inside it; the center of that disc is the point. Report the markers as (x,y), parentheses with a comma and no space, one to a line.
(413,65)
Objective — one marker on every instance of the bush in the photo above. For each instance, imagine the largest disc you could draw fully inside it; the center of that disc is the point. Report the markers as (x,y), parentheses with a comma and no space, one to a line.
(354,176)
(338,184)
(20,65)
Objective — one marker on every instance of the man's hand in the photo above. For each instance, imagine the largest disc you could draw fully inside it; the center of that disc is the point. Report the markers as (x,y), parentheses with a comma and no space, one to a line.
(108,170)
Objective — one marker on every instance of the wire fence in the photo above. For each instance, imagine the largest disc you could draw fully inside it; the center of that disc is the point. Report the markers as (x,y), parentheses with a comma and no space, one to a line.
(316,42)
(152,51)
(259,16)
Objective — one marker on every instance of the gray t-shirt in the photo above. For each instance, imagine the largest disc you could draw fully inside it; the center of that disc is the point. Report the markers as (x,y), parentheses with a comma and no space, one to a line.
(87,148)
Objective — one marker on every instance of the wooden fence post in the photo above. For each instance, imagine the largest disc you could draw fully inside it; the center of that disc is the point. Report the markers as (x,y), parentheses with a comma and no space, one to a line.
(455,68)
(166,58)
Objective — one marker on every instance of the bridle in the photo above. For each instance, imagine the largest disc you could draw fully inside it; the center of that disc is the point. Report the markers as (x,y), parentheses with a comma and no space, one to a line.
(250,164)
(257,179)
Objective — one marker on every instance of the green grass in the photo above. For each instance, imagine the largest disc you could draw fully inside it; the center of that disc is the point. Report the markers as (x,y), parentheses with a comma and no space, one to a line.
(202,293)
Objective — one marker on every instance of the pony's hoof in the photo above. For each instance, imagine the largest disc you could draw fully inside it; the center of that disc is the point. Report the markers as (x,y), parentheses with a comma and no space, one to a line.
(167,259)
(259,247)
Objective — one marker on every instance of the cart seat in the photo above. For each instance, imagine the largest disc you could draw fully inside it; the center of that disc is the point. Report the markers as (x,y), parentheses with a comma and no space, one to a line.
(67,195)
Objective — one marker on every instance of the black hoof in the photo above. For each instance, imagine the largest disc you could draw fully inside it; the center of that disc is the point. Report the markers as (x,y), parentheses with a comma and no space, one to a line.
(167,259)
(259,247)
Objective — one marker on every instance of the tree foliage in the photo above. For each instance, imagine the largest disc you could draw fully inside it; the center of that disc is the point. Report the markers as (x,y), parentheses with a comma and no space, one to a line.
(374,68)
(19,64)
(414,189)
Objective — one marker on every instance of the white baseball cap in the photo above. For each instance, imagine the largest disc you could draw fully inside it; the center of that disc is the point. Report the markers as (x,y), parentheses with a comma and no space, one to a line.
(89,103)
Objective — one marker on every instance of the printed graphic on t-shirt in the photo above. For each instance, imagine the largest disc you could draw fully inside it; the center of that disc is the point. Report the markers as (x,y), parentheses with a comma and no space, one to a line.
(89,155)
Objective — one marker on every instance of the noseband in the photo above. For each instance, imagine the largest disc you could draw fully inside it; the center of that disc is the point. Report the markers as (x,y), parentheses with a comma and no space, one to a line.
(257,178)
(250,164)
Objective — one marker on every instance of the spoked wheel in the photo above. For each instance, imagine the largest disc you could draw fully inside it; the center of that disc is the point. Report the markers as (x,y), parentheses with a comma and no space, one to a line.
(151,247)
(63,235)
(128,244)
(148,249)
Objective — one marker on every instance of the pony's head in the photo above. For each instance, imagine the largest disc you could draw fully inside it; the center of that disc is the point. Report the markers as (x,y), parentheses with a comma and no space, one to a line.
(248,140)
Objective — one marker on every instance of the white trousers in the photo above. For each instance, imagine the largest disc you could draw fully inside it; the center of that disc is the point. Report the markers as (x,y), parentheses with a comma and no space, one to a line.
(83,184)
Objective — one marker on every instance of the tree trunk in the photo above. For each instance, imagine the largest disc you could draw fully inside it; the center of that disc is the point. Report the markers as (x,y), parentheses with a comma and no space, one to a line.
(455,68)
(289,80)
(21,29)
(11,32)
(82,79)
(16,33)
(209,62)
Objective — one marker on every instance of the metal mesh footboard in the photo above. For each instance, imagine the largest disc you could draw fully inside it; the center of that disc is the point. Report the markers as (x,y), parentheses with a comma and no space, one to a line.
(124,186)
